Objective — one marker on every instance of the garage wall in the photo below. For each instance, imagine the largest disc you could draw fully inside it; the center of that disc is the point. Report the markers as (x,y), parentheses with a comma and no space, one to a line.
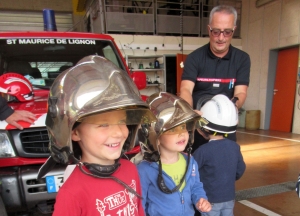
(32,21)
(267,29)
(36,5)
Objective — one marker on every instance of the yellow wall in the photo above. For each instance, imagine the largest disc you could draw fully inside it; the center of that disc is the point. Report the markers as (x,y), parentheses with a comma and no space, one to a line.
(273,26)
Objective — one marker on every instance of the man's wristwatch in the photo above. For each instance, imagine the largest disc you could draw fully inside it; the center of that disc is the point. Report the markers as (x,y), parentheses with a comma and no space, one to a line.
(234,100)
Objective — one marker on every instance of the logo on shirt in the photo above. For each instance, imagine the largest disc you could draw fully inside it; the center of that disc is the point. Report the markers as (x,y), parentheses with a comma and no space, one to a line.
(123,203)
(193,170)
(115,200)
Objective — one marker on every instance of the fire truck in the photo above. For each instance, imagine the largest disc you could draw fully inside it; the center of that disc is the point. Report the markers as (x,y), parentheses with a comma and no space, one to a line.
(41,56)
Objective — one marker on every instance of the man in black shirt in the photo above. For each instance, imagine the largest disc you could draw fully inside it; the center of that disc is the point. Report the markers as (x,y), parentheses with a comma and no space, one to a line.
(217,67)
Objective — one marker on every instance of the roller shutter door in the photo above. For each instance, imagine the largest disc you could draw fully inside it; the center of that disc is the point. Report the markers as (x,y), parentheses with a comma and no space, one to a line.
(32,21)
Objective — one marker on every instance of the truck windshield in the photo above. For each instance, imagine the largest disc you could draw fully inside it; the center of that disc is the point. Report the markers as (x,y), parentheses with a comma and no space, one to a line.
(42,60)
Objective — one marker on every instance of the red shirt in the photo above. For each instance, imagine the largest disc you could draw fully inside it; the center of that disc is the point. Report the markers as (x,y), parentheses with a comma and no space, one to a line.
(85,195)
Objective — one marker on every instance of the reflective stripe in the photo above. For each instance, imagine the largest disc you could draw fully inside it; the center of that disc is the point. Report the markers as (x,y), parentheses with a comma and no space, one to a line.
(215,80)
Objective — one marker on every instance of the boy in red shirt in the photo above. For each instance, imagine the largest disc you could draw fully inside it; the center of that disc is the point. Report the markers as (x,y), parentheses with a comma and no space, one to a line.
(94,113)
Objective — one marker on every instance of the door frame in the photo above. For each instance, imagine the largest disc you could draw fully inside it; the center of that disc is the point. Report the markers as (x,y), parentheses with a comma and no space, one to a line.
(273,58)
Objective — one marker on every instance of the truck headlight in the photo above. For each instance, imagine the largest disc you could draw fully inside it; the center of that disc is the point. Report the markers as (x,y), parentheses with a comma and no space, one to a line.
(6,149)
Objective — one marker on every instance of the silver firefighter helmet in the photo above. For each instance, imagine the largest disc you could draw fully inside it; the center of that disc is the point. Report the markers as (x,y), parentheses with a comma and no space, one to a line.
(170,112)
(93,86)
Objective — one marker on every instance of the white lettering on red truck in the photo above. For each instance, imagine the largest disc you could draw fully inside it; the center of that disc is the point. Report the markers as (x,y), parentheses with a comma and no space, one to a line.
(50,41)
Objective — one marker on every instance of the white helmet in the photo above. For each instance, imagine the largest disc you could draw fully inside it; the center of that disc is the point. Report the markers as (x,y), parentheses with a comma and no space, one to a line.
(221,114)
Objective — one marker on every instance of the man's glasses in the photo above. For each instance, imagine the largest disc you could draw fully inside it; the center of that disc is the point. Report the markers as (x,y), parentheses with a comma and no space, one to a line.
(217,32)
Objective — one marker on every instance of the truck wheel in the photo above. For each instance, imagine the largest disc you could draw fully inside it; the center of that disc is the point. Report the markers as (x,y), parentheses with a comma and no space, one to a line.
(2,208)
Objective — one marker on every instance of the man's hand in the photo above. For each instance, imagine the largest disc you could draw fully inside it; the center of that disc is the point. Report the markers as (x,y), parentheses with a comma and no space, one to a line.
(240,92)
(203,205)
(20,115)
(198,112)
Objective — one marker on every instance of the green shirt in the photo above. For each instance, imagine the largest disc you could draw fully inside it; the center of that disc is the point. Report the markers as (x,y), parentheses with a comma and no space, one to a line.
(176,170)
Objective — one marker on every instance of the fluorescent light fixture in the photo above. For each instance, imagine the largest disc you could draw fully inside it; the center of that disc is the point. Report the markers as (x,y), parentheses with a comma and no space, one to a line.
(260,3)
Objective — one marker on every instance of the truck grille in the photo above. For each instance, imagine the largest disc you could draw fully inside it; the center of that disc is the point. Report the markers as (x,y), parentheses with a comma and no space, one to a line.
(35,142)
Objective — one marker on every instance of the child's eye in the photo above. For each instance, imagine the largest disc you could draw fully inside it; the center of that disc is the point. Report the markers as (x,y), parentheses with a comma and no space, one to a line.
(103,125)
(122,121)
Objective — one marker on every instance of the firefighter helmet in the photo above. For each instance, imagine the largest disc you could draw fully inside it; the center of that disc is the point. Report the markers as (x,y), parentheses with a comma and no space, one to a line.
(15,87)
(221,114)
(170,112)
(94,85)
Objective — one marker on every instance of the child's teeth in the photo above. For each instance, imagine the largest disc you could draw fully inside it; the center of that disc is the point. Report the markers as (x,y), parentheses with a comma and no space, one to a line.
(113,145)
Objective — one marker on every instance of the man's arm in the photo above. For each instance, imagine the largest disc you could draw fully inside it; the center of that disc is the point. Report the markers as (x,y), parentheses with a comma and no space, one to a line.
(240,91)
(5,110)
(186,90)
(13,116)
(20,115)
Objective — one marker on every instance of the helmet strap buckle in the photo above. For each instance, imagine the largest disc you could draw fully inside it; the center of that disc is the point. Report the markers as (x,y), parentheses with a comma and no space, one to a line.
(63,155)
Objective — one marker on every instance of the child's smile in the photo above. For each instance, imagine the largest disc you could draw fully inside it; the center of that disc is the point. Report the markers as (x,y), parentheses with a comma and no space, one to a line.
(114,145)
(181,142)
(101,137)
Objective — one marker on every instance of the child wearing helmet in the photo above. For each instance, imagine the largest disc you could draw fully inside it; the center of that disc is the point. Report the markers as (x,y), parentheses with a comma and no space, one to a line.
(94,113)
(220,160)
(170,178)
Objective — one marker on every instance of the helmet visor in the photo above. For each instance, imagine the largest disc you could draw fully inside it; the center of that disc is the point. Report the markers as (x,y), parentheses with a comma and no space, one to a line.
(201,123)
(9,98)
(182,128)
(120,117)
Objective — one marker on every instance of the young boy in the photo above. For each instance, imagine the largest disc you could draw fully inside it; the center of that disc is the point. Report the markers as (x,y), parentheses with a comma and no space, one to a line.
(220,160)
(94,112)
(169,178)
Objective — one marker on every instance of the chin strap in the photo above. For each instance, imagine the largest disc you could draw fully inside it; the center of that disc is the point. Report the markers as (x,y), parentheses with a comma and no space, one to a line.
(102,170)
(152,157)
(97,172)
(160,180)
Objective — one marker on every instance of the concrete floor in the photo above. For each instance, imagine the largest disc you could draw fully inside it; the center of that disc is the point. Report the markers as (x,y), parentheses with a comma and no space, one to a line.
(272,159)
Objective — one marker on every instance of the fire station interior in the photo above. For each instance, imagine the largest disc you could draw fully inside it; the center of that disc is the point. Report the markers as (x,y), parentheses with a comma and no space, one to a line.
(272,155)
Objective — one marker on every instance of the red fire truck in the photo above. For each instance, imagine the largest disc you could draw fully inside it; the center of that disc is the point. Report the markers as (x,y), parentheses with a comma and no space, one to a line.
(41,56)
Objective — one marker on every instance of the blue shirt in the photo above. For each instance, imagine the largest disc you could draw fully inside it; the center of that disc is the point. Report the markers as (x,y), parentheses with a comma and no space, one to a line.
(156,202)
(220,165)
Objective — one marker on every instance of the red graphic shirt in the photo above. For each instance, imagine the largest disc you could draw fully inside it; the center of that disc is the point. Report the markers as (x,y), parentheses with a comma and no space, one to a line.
(85,195)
